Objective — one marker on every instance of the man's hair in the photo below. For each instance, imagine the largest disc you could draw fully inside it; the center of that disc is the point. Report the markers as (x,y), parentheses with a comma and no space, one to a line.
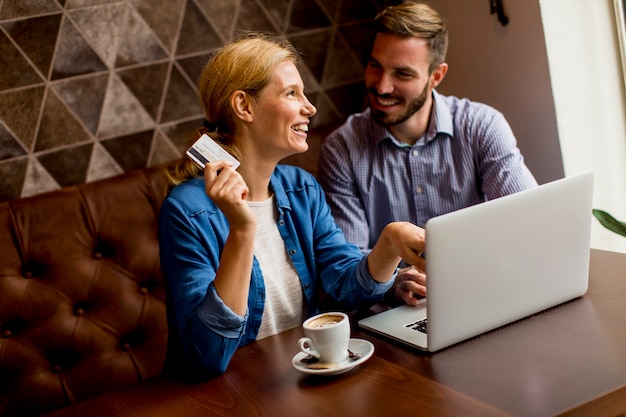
(416,20)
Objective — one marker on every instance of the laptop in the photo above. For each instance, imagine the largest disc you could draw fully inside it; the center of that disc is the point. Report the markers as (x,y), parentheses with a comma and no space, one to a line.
(497,262)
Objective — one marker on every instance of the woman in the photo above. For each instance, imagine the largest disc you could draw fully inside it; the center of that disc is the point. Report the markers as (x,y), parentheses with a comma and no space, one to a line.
(244,251)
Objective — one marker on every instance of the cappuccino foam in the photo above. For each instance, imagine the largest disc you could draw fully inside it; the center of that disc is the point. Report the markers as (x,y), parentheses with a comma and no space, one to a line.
(325,321)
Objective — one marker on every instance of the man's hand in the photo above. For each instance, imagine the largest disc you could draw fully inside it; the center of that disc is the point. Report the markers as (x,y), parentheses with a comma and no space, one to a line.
(410,284)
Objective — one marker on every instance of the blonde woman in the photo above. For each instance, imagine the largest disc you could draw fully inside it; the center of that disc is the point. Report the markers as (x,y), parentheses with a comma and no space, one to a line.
(245,251)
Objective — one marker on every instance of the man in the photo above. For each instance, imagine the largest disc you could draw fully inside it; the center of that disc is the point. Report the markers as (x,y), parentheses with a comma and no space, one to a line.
(414,153)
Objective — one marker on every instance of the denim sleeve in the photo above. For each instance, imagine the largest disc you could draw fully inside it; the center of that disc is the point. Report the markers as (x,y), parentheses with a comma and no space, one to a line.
(209,331)
(342,266)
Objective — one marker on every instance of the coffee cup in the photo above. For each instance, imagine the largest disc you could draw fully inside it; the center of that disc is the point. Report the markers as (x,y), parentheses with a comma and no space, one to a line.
(326,337)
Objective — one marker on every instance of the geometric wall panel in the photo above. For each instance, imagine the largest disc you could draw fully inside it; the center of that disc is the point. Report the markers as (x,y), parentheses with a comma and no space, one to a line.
(181,100)
(314,48)
(77,91)
(163,16)
(74,55)
(58,127)
(198,34)
(9,146)
(146,84)
(222,14)
(14,9)
(12,176)
(307,15)
(19,110)
(132,151)
(68,166)
(122,112)
(38,179)
(92,88)
(253,17)
(21,31)
(16,70)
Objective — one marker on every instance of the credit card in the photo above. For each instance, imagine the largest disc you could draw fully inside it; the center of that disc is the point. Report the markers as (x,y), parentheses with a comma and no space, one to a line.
(206,150)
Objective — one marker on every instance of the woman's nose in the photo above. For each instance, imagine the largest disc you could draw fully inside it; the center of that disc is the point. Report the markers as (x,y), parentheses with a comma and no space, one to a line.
(309,108)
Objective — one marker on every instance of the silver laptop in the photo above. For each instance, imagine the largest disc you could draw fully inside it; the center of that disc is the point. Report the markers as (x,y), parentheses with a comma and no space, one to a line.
(497,262)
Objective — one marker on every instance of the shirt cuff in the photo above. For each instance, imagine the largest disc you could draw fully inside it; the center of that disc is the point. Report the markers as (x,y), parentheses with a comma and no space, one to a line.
(366,280)
(220,318)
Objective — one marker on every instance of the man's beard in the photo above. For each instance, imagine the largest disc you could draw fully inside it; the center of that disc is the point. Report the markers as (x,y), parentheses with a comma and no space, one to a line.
(383,119)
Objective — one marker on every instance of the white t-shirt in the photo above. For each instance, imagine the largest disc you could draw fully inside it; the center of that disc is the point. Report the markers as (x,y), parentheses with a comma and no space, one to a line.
(284,299)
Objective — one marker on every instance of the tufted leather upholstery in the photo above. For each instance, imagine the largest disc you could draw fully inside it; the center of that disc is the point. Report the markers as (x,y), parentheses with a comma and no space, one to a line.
(82,303)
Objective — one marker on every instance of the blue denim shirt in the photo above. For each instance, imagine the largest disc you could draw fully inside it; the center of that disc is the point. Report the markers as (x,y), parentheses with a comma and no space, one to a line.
(192,234)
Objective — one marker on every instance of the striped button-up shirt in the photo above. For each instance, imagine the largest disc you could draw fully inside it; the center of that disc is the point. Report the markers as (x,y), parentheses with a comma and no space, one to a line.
(468,155)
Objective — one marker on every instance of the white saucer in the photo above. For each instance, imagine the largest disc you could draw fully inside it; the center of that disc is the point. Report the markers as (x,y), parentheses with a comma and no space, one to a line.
(364,347)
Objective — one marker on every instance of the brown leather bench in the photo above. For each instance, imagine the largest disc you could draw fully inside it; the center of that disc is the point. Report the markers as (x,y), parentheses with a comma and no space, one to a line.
(82,300)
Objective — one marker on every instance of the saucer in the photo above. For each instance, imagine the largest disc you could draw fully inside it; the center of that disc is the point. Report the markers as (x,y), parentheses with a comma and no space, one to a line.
(364,347)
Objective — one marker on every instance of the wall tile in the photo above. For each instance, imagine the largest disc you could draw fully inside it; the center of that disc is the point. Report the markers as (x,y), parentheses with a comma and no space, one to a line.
(313,46)
(342,64)
(182,100)
(12,176)
(307,14)
(181,134)
(36,179)
(277,10)
(222,14)
(77,91)
(16,70)
(132,151)
(58,127)
(19,110)
(163,16)
(193,66)
(146,84)
(74,55)
(92,88)
(253,17)
(68,166)
(102,165)
(36,37)
(12,9)
(162,151)
(122,112)
(9,146)
(198,35)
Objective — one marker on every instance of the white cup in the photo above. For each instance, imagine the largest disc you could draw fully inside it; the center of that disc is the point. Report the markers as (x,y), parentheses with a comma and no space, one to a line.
(326,337)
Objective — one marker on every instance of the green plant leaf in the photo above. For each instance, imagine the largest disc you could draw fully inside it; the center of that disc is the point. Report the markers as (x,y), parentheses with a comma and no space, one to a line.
(610,222)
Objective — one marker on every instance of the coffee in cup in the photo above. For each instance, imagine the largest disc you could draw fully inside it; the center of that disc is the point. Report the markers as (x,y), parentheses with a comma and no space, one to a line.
(326,337)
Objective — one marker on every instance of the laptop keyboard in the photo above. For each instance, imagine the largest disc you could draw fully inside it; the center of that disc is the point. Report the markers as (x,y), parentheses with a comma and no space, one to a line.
(420,325)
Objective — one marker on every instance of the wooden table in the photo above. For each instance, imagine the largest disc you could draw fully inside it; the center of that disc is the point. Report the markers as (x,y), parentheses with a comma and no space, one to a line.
(567,361)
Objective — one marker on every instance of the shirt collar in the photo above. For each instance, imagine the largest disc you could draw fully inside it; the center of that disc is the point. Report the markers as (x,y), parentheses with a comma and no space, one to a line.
(442,117)
(281,196)
(440,123)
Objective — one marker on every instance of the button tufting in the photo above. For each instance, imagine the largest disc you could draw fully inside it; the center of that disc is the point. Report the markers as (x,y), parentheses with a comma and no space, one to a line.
(56,369)
(126,347)
(28,274)
(7,333)
(79,311)
(97,255)
(143,290)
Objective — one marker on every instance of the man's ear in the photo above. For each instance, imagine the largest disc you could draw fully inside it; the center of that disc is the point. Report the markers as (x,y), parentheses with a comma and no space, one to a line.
(242,103)
(438,75)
